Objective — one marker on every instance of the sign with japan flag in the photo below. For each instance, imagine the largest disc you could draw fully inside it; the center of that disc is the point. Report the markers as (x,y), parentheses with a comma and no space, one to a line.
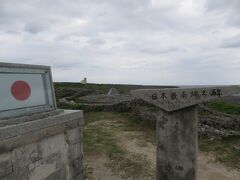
(21,90)
(25,89)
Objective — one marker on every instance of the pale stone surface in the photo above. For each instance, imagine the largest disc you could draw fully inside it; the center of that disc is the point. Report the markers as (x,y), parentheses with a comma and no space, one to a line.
(53,145)
(75,151)
(5,164)
(49,148)
(57,175)
(9,131)
(31,117)
(43,170)
(176,98)
(23,156)
(73,136)
(176,144)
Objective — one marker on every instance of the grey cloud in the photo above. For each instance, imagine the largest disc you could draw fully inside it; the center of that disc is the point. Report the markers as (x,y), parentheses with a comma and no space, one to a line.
(228,8)
(134,40)
(222,5)
(35,28)
(160,51)
(233,42)
(96,41)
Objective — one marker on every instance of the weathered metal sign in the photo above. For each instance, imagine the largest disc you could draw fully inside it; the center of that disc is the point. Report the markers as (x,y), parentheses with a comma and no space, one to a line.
(25,89)
(177,98)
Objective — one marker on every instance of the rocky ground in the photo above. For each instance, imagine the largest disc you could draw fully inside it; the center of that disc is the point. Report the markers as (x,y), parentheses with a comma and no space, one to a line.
(215,125)
(117,147)
(232,99)
(212,124)
(103,99)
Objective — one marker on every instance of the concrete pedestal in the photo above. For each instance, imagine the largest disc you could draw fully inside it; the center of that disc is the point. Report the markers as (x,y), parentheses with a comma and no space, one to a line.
(177,144)
(42,146)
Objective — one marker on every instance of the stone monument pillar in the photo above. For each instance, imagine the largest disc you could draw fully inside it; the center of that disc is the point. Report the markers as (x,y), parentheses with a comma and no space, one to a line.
(177,125)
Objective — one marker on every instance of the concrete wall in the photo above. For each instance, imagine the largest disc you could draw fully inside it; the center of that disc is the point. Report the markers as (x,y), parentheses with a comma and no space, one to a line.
(48,148)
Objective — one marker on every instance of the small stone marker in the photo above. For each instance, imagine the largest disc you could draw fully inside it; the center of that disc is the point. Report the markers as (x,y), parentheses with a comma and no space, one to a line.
(177,127)
(25,89)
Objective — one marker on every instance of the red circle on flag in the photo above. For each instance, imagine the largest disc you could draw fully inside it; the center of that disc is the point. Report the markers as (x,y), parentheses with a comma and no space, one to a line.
(21,90)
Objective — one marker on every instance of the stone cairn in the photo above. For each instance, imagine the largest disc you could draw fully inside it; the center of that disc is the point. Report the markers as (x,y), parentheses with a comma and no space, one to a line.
(113,92)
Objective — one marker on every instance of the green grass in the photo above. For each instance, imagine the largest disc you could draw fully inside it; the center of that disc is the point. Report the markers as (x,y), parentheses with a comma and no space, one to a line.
(96,138)
(104,88)
(225,107)
(131,165)
(100,137)
(226,151)
(134,123)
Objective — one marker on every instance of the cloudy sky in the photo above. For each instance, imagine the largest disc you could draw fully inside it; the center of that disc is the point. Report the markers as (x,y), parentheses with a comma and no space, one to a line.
(180,42)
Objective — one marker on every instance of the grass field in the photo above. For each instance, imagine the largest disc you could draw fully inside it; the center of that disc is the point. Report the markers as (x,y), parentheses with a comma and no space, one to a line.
(100,140)
(226,150)
(102,137)
(224,107)
(105,134)
(104,88)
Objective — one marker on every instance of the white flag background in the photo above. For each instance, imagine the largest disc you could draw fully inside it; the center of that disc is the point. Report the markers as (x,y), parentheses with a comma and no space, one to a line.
(35,98)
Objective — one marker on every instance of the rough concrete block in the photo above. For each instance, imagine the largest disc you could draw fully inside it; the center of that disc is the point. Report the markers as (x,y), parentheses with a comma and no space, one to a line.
(76,167)
(22,174)
(52,145)
(8,177)
(73,136)
(53,158)
(45,148)
(75,151)
(30,117)
(5,164)
(46,166)
(58,175)
(28,127)
(6,132)
(79,177)
(23,156)
(59,128)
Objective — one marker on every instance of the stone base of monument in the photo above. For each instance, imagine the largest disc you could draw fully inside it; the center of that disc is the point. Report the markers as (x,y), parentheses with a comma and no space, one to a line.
(42,146)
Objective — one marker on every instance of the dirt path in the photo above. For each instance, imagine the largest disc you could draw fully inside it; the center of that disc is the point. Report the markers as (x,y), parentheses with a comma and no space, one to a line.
(133,142)
(99,171)
(210,170)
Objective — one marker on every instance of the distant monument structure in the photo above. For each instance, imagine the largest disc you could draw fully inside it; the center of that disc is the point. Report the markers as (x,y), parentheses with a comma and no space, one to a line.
(113,92)
(84,81)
